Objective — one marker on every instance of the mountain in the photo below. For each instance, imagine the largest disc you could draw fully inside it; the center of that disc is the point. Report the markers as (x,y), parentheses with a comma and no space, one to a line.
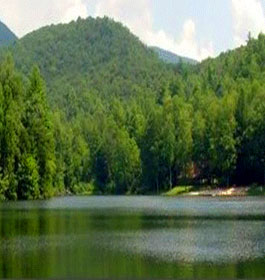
(121,120)
(6,35)
(172,58)
(96,54)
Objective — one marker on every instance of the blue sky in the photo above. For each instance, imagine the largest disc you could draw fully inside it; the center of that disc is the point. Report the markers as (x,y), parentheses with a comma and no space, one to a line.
(213,19)
(194,28)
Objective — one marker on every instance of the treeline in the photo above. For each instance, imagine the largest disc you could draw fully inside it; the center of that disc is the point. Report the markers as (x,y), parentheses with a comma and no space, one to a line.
(144,144)
(203,125)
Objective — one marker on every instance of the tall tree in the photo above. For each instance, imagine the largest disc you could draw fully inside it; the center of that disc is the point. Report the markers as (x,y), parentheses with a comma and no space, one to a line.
(37,122)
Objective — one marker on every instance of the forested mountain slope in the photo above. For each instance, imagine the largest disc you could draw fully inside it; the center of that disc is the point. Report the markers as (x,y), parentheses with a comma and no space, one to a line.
(98,54)
(6,35)
(238,75)
(121,121)
(170,57)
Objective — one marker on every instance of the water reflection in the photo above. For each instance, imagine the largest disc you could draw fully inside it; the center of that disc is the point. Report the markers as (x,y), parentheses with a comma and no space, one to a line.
(133,237)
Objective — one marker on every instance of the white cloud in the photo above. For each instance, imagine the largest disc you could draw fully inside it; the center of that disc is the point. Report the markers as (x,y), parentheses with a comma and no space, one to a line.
(74,9)
(136,14)
(248,16)
(23,16)
(186,46)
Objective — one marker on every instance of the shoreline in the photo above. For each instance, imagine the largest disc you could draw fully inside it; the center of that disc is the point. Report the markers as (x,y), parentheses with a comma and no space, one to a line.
(179,191)
(190,191)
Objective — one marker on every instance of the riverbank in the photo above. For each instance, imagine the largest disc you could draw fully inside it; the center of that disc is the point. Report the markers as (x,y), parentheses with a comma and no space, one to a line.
(223,192)
(188,191)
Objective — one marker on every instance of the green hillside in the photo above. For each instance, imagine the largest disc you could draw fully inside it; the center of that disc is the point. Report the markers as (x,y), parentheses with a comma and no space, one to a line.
(118,120)
(6,35)
(98,54)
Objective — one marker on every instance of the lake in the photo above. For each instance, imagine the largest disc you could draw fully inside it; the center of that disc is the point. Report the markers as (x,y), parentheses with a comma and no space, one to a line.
(133,237)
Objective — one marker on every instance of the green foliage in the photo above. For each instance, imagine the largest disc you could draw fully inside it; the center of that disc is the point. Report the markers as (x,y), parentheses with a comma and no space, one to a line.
(256,190)
(84,189)
(98,54)
(39,132)
(179,190)
(28,178)
(27,154)
(119,121)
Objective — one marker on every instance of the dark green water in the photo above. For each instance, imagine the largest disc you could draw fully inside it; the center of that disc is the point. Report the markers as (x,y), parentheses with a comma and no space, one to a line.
(133,237)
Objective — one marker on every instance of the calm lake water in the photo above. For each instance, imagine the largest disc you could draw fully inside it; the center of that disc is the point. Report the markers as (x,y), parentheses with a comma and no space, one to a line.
(133,237)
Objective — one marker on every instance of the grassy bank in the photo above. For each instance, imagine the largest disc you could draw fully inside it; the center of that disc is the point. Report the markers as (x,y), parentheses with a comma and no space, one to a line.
(179,190)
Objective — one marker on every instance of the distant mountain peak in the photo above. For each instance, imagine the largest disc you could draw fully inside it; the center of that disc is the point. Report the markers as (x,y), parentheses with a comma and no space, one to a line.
(93,54)
(6,35)
(170,57)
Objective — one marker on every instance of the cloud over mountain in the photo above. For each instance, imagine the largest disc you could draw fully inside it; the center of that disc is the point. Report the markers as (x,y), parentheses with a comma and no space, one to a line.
(27,15)
(247,15)
(137,15)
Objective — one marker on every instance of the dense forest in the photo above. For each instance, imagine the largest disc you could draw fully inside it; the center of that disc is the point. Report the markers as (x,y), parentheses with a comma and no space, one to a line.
(113,118)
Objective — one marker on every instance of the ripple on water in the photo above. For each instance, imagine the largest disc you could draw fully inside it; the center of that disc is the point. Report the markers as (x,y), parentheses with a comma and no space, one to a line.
(208,241)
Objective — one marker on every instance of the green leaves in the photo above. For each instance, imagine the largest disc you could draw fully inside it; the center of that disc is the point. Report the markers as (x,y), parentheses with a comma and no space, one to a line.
(28,178)
(121,120)
(27,149)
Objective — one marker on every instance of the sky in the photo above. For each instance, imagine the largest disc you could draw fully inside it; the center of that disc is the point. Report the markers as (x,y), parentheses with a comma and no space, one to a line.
(193,28)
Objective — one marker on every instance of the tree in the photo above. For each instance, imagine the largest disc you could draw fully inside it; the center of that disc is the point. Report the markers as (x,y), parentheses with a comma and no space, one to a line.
(12,94)
(39,129)
(184,141)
